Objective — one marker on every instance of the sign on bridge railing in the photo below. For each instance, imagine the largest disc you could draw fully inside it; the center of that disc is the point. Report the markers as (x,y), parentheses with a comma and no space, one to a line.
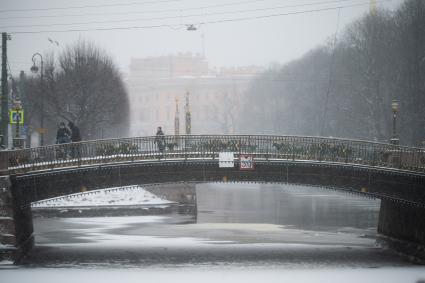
(246,162)
(226,160)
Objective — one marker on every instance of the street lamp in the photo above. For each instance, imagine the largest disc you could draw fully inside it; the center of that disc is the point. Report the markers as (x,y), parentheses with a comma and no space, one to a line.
(394,107)
(34,69)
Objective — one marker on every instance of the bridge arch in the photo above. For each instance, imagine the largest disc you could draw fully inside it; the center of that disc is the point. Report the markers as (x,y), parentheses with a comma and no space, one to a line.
(381,183)
(394,174)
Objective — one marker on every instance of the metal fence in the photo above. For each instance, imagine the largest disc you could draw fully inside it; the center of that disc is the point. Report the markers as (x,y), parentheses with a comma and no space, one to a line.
(209,146)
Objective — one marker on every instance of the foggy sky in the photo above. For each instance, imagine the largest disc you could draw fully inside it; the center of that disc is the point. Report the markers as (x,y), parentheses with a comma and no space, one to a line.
(262,42)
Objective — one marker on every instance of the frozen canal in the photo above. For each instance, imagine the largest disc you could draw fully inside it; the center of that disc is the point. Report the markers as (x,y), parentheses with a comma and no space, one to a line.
(242,233)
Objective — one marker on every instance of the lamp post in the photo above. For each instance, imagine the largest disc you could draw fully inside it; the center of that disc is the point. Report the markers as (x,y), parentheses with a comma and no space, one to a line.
(394,107)
(34,69)
(4,99)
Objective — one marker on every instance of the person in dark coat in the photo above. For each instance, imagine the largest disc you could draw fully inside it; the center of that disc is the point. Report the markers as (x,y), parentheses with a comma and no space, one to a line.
(75,137)
(75,132)
(63,135)
(160,139)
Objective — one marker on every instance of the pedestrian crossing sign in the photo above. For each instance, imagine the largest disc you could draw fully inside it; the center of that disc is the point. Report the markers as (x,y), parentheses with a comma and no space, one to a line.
(17,115)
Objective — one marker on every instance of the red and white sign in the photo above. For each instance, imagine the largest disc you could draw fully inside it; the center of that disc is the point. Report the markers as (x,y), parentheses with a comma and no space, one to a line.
(246,162)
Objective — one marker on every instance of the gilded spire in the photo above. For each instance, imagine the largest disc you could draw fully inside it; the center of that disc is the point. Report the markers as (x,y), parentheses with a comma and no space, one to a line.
(176,119)
(372,8)
(188,119)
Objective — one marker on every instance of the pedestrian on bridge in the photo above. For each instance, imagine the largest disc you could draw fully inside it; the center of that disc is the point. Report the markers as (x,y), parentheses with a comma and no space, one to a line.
(75,137)
(75,132)
(63,135)
(160,139)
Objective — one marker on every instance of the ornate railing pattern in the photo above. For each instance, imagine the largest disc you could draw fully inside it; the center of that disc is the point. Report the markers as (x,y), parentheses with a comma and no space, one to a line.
(208,147)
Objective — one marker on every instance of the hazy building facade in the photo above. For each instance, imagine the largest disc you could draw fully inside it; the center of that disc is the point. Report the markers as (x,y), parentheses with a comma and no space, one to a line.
(156,84)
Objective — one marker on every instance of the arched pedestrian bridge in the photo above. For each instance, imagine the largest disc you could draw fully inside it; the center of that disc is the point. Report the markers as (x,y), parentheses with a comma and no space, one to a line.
(395,174)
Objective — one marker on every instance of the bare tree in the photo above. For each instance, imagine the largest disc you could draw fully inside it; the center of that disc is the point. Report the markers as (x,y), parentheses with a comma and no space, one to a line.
(379,57)
(85,87)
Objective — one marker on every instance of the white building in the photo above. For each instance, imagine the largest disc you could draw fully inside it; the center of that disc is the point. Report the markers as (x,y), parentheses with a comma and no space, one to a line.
(155,83)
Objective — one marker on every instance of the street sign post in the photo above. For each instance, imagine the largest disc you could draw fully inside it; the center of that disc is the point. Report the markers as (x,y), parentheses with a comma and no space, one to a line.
(15,116)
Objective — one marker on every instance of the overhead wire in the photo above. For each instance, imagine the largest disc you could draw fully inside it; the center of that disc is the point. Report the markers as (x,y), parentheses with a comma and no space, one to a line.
(10,99)
(198,23)
(134,12)
(8,66)
(180,16)
(88,6)
(331,64)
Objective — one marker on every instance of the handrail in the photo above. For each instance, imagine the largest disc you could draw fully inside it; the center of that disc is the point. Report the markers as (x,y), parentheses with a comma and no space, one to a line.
(208,146)
(245,135)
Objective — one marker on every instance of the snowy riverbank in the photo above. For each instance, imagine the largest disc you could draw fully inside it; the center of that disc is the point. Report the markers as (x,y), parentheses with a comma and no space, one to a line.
(118,196)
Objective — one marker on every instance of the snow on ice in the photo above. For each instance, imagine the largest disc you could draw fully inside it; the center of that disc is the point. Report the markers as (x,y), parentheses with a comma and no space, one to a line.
(128,195)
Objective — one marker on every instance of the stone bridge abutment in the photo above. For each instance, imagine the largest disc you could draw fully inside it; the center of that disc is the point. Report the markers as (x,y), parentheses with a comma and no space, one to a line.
(16,228)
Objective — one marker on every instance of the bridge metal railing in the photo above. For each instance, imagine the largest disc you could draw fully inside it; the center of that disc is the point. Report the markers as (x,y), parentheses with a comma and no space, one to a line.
(209,146)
